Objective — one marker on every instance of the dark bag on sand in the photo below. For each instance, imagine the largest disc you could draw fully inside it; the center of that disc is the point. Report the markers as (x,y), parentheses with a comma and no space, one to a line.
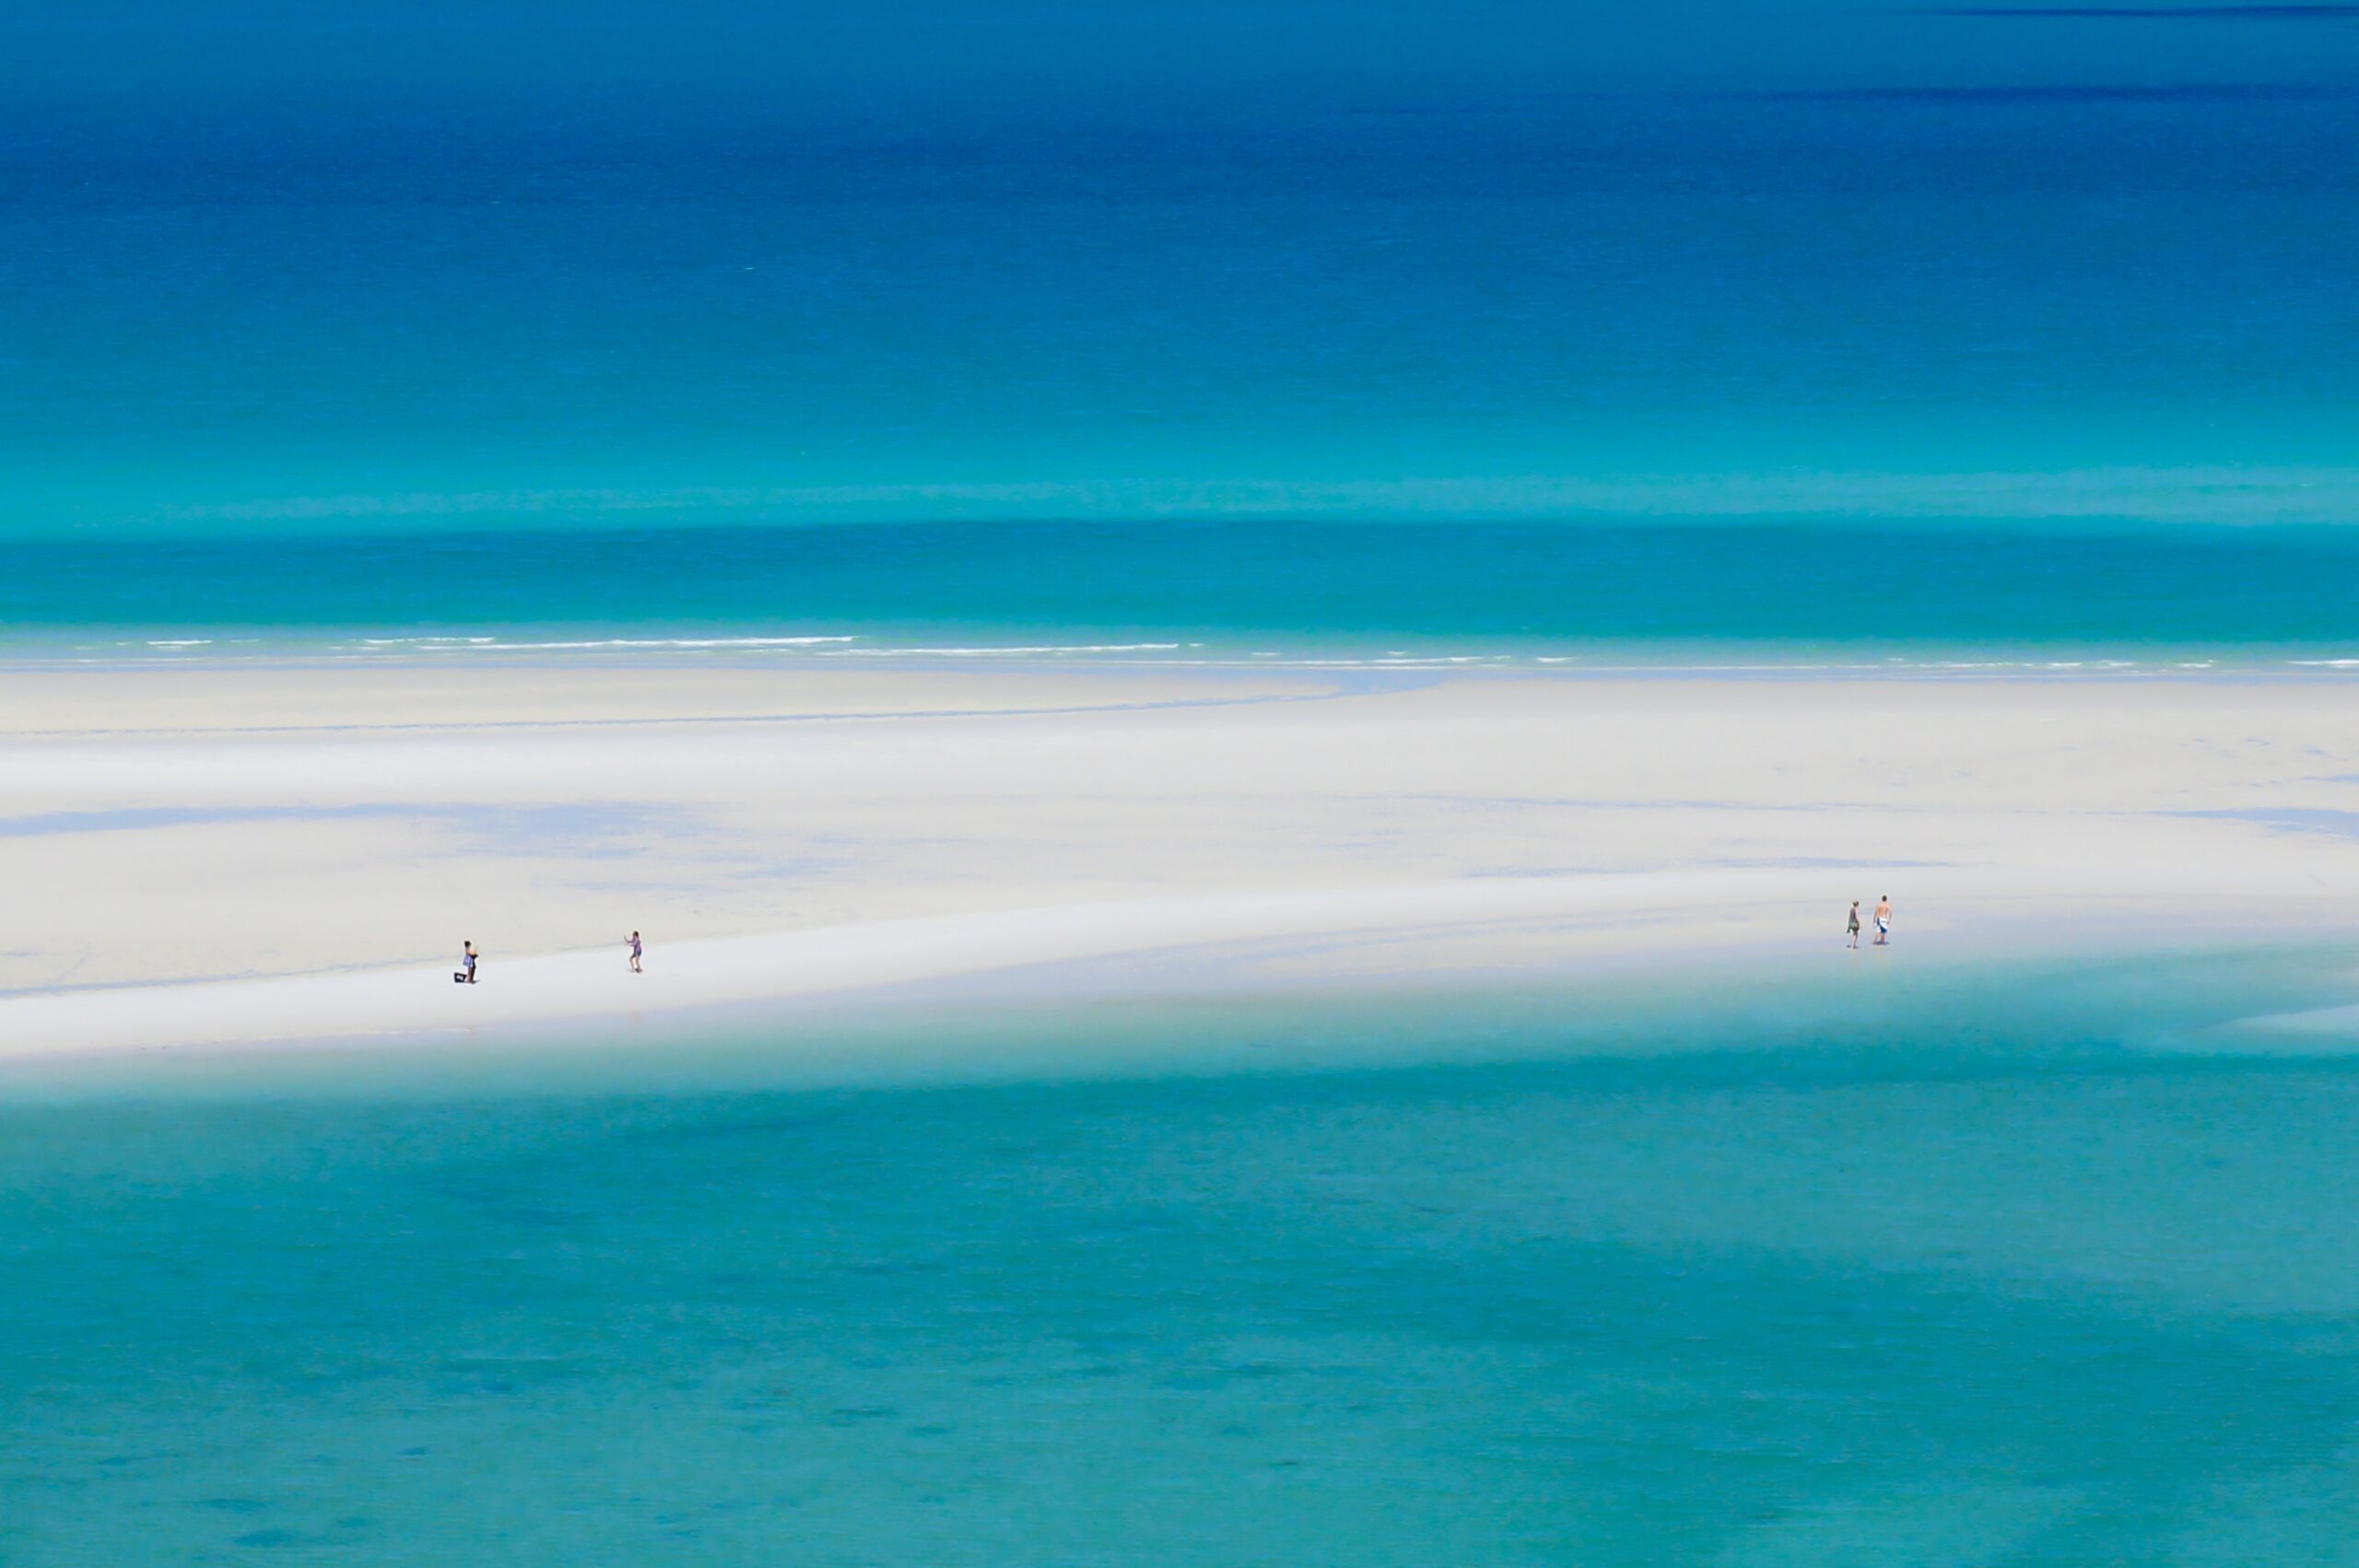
(459,975)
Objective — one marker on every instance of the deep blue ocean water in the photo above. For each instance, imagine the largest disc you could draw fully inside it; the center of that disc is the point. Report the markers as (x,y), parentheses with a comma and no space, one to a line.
(303,313)
(1923,333)
(1932,1266)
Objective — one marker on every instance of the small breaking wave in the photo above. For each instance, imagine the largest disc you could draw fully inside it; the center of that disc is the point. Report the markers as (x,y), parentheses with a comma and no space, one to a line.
(1212,651)
(1046,650)
(630,644)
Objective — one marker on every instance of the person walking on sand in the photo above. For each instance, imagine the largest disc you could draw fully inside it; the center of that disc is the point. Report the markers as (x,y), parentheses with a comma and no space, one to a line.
(634,954)
(467,963)
(1854,926)
(1883,918)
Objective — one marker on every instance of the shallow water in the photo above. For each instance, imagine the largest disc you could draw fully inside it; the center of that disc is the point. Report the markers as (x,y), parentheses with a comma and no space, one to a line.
(1966,598)
(2044,1266)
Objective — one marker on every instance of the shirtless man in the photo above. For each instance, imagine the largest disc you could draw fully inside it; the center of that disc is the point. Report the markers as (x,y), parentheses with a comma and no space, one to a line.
(1883,918)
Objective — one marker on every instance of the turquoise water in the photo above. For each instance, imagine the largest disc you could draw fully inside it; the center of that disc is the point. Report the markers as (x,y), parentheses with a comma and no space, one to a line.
(1973,1266)
(1598,593)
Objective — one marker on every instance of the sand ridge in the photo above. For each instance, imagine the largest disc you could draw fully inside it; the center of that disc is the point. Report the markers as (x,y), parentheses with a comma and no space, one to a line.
(252,851)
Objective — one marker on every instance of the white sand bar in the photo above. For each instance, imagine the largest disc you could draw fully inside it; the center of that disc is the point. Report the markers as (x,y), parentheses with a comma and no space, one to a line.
(258,851)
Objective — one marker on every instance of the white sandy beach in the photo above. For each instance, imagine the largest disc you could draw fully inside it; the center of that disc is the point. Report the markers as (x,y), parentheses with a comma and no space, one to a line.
(269,851)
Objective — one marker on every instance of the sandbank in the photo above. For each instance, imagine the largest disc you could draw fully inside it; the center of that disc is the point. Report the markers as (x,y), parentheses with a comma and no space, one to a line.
(266,850)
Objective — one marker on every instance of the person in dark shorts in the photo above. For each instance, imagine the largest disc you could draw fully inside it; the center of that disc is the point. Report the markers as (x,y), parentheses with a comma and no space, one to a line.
(1855,922)
(634,954)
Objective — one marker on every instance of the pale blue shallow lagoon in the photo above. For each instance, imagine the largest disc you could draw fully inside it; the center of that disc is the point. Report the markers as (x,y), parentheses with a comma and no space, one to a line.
(1976,1265)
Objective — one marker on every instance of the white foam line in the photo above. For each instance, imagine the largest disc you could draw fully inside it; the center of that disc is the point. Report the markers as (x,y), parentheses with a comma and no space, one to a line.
(627,642)
(1161,653)
(423,641)
(996,652)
